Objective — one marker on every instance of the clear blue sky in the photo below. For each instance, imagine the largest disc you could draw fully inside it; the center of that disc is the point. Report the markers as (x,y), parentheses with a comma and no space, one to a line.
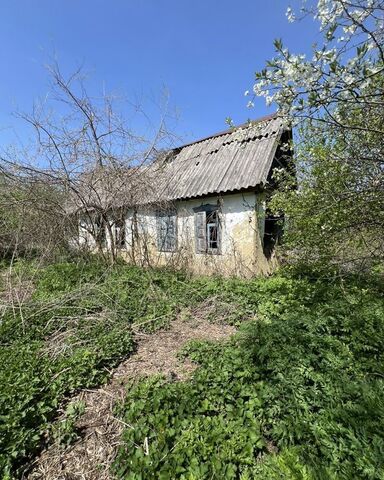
(204,52)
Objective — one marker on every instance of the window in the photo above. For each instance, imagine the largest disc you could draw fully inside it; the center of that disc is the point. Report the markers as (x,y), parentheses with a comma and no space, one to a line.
(212,228)
(273,229)
(100,233)
(119,233)
(166,231)
(207,229)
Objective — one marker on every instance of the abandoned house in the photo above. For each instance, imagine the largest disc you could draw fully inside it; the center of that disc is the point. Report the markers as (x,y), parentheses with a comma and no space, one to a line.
(202,206)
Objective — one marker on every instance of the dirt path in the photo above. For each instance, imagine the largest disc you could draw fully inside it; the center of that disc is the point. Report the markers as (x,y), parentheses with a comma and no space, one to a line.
(90,457)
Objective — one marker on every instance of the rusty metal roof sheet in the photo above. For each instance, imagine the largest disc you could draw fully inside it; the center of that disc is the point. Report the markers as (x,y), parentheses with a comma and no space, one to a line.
(232,160)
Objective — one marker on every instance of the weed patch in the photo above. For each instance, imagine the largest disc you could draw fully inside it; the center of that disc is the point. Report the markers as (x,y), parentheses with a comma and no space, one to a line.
(298,394)
(69,335)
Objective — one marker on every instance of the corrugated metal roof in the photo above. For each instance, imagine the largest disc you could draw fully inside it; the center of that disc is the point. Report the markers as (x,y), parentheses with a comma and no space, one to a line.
(233,160)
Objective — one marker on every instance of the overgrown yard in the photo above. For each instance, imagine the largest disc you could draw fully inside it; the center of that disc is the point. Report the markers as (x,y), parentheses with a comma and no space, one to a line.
(297,393)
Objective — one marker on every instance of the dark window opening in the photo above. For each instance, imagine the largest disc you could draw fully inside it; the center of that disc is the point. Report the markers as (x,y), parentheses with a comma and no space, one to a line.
(273,230)
(119,234)
(100,233)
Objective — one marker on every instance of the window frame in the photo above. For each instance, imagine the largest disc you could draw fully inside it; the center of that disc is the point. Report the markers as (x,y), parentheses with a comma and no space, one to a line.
(119,234)
(100,231)
(202,242)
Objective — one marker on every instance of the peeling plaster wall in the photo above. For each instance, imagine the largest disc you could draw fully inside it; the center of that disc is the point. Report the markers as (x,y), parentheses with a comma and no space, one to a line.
(242,227)
(86,240)
(241,216)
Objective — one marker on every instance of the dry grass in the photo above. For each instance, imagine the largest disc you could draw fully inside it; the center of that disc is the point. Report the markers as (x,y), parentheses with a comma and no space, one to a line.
(14,291)
(65,339)
(213,309)
(91,456)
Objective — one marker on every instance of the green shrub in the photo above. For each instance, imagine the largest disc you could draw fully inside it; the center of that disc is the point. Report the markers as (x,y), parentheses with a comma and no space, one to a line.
(33,383)
(62,278)
(76,327)
(305,381)
(205,428)
(64,431)
(298,394)
(323,389)
(68,336)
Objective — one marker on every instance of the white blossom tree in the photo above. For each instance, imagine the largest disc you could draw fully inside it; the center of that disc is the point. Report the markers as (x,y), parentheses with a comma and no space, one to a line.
(342,68)
(335,98)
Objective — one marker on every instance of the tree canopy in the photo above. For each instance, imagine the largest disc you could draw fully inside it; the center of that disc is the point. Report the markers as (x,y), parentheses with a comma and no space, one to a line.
(336,101)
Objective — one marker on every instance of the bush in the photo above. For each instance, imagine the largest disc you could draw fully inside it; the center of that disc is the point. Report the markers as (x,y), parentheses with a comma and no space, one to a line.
(324,374)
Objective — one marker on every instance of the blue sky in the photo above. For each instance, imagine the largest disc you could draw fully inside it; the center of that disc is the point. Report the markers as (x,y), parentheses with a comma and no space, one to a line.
(204,53)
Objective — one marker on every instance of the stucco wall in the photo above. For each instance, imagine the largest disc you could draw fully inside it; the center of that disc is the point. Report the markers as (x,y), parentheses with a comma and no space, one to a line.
(241,253)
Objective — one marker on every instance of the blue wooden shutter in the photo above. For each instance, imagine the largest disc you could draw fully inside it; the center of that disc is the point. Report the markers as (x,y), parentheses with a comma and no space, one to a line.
(171,233)
(166,232)
(200,232)
(161,228)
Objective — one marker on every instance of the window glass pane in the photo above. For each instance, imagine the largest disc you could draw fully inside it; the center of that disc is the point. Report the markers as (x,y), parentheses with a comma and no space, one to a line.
(212,235)
(212,217)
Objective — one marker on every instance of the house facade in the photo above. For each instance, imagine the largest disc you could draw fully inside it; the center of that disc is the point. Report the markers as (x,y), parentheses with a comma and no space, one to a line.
(206,205)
